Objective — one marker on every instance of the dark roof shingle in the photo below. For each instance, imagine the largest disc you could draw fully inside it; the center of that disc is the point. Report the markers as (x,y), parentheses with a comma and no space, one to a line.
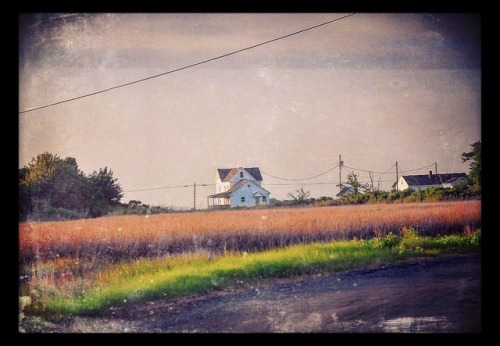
(226,174)
(435,179)
(346,190)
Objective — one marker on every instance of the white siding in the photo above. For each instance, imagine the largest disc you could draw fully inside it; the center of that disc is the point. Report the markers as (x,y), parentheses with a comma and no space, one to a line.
(237,177)
(220,201)
(247,191)
(221,186)
(402,184)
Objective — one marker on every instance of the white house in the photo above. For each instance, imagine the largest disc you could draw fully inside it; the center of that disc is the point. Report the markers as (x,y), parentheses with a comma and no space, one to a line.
(425,181)
(238,187)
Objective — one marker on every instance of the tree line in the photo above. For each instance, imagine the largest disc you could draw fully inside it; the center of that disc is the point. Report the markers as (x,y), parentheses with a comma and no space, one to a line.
(364,193)
(52,188)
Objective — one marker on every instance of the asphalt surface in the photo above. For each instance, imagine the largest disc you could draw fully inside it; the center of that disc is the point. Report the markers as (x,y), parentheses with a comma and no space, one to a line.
(440,295)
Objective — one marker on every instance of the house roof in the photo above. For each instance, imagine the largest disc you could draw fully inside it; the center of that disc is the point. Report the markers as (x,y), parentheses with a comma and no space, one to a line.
(235,187)
(220,195)
(345,191)
(435,179)
(226,174)
(455,179)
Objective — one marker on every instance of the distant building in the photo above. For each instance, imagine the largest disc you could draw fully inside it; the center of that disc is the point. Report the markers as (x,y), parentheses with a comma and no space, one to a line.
(238,187)
(346,191)
(425,181)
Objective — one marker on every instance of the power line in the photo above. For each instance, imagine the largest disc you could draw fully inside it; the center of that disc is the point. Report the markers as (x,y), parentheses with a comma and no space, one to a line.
(158,188)
(381,181)
(316,176)
(167,187)
(416,169)
(187,66)
(444,169)
(284,184)
(364,170)
(322,183)
(388,169)
(299,184)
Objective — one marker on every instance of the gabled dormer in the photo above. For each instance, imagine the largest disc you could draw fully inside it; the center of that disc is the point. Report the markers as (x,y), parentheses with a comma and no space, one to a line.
(225,178)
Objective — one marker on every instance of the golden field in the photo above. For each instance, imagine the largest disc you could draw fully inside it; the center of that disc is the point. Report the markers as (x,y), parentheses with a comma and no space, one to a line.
(136,236)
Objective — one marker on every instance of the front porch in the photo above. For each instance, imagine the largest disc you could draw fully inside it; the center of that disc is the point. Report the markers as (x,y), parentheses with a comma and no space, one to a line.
(219,200)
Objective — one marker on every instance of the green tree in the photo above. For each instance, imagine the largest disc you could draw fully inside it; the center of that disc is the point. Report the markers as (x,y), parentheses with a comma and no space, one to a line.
(70,189)
(474,156)
(53,188)
(35,183)
(352,180)
(104,181)
(40,169)
(24,199)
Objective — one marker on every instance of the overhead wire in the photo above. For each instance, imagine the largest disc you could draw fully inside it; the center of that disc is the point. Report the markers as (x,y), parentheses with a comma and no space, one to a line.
(167,187)
(298,184)
(217,58)
(187,66)
(364,170)
(291,179)
(288,179)
(416,169)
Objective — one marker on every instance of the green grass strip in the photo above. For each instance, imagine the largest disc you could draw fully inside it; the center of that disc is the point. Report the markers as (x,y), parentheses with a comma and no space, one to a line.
(146,279)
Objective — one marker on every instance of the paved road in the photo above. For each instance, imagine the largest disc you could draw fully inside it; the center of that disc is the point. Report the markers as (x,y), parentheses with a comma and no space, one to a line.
(432,296)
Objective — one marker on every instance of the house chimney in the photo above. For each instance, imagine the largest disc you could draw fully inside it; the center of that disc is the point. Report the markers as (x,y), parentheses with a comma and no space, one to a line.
(430,175)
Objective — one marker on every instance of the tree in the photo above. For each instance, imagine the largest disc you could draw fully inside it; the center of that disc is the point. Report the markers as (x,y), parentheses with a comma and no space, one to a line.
(51,187)
(24,199)
(105,183)
(352,180)
(300,196)
(394,186)
(475,165)
(40,169)
(35,183)
(70,189)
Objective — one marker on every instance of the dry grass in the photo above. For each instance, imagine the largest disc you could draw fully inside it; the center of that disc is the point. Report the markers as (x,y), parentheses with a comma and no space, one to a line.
(113,238)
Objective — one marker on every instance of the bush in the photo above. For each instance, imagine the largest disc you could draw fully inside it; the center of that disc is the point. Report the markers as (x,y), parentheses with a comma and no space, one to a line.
(408,232)
(389,241)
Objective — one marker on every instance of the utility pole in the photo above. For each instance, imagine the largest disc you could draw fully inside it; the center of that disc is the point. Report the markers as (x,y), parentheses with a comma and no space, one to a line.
(397,177)
(436,170)
(340,172)
(370,173)
(194,196)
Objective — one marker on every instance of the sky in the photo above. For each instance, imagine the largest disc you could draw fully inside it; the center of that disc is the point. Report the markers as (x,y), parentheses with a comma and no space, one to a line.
(375,88)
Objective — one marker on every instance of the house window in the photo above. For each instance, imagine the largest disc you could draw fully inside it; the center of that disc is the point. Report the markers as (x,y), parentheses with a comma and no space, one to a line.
(264,199)
(242,199)
(248,185)
(241,174)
